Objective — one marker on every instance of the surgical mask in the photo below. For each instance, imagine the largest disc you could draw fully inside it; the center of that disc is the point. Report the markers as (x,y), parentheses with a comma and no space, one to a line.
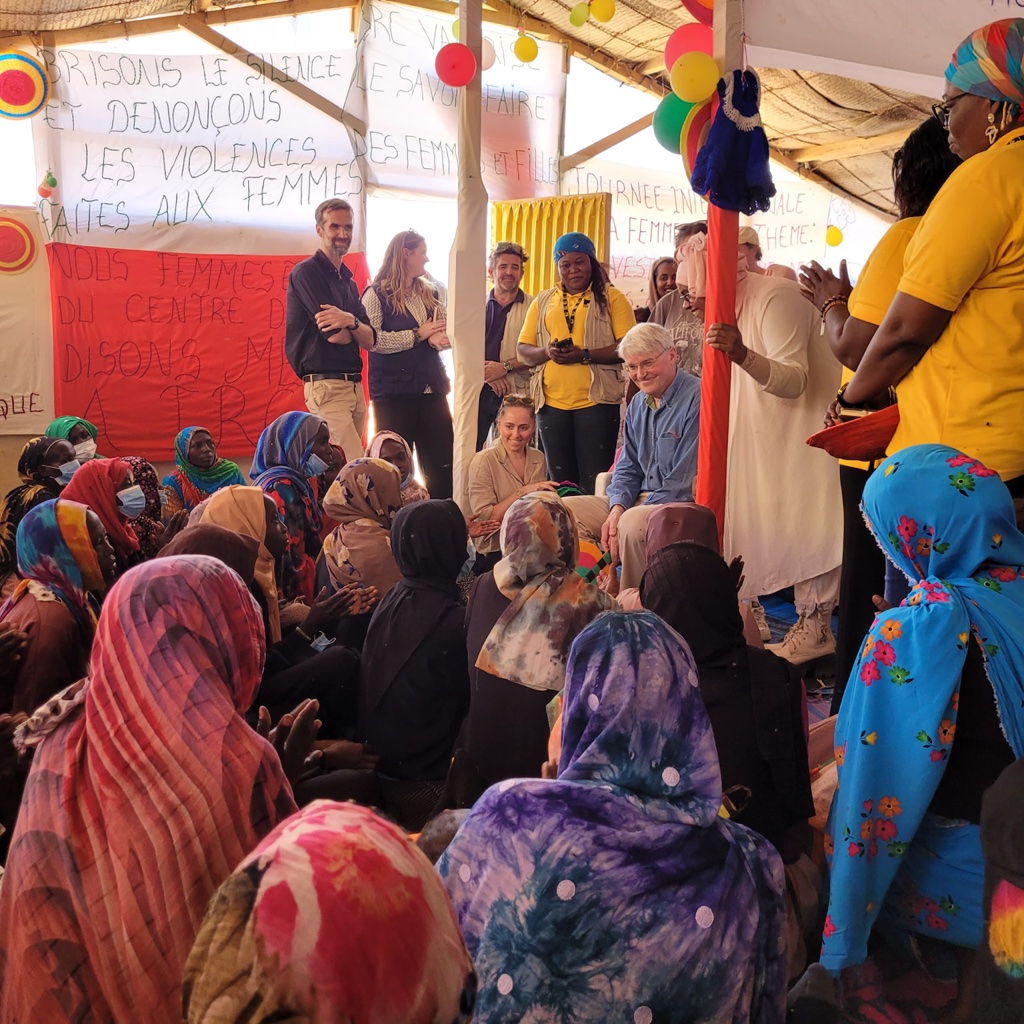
(163,499)
(67,471)
(132,501)
(85,450)
(315,465)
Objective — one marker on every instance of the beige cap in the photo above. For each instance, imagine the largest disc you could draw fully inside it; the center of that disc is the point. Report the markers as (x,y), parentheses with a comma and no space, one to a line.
(748,236)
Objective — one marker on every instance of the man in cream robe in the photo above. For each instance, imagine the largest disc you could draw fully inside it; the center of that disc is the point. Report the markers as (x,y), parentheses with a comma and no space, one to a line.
(783,502)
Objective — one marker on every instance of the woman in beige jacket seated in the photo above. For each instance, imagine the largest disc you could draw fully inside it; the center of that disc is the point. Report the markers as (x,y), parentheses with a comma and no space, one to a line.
(508,469)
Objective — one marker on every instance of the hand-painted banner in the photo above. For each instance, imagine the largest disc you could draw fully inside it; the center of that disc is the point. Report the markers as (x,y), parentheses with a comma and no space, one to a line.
(193,152)
(412,142)
(26,378)
(146,343)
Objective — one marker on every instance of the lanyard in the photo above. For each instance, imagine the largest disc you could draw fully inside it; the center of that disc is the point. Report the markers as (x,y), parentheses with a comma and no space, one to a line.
(570,318)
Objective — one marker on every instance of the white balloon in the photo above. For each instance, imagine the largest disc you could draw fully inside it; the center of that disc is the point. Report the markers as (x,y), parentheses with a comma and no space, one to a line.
(487,55)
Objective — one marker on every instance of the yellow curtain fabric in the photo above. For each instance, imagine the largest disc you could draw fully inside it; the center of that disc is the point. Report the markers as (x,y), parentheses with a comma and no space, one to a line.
(537,223)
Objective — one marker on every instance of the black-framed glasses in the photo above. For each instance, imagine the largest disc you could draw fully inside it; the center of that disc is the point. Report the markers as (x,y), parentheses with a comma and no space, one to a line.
(941,111)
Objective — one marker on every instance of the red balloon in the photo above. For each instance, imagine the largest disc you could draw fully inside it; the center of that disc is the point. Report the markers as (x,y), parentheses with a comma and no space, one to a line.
(702,10)
(686,39)
(455,65)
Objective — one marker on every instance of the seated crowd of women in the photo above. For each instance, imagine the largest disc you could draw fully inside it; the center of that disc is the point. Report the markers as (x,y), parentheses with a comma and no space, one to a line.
(225,707)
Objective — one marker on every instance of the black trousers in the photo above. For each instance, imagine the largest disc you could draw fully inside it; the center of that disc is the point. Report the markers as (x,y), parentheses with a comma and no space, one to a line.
(425,421)
(863,577)
(579,443)
(487,413)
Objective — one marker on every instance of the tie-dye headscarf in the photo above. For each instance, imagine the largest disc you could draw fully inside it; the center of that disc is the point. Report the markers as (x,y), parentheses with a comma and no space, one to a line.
(335,916)
(988,62)
(616,892)
(550,602)
(283,448)
(56,552)
(947,522)
(192,484)
(141,800)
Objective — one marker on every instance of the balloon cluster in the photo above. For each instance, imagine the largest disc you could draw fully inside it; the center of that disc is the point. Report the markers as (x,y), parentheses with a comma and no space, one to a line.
(47,185)
(683,118)
(599,10)
(455,64)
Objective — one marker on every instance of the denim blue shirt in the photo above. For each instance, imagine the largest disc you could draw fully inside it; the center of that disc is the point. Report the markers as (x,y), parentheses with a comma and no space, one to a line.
(659,450)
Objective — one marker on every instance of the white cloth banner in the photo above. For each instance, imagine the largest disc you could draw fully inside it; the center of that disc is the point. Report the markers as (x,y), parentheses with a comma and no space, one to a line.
(905,45)
(412,117)
(194,154)
(26,339)
(646,207)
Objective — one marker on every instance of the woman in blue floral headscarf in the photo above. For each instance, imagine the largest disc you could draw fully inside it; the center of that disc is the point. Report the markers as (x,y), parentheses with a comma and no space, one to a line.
(934,709)
(291,452)
(616,892)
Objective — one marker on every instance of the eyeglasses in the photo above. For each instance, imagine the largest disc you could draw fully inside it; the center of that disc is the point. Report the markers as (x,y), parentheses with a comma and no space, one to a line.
(523,400)
(634,369)
(941,111)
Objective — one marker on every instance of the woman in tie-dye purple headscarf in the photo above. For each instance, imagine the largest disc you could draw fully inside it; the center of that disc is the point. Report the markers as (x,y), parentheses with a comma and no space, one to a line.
(616,892)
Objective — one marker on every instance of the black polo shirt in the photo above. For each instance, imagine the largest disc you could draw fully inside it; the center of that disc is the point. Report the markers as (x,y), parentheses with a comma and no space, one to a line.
(312,283)
(494,331)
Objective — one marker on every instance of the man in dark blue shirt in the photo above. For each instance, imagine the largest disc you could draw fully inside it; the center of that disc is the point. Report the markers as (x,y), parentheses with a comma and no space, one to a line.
(325,328)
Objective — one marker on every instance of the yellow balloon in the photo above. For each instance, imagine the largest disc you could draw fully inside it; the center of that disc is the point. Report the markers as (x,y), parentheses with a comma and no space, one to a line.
(602,10)
(525,49)
(694,76)
(579,14)
(833,236)
(455,28)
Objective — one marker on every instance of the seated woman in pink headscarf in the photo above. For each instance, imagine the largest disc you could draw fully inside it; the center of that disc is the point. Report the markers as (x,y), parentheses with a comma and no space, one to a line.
(146,790)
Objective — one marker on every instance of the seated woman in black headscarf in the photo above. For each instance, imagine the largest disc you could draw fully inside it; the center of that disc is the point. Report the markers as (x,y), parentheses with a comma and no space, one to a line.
(414,678)
(753,698)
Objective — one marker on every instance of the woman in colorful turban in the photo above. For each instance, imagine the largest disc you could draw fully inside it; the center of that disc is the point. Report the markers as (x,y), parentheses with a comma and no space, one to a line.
(198,472)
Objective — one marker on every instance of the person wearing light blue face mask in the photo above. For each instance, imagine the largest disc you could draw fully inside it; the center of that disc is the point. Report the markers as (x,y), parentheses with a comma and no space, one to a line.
(291,454)
(132,501)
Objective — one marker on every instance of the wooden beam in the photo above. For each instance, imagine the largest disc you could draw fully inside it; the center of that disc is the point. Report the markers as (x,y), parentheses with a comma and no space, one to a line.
(198,27)
(802,171)
(167,23)
(848,148)
(596,148)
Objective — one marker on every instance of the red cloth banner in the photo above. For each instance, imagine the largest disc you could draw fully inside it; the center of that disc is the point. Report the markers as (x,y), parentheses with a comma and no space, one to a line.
(146,343)
(716,377)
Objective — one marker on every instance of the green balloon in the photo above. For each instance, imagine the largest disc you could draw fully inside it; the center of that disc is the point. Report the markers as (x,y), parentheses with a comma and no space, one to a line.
(579,14)
(668,121)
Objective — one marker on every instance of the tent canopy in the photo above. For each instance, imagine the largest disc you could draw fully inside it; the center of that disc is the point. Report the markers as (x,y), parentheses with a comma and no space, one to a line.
(840,92)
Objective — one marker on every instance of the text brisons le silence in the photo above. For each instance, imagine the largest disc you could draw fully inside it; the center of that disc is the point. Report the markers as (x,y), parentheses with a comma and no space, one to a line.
(147,343)
(144,141)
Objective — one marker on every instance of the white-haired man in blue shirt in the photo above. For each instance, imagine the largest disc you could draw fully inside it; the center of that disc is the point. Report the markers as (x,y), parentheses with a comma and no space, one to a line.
(659,451)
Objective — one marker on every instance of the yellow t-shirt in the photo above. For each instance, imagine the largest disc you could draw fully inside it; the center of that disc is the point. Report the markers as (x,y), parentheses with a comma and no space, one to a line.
(877,284)
(967,256)
(568,387)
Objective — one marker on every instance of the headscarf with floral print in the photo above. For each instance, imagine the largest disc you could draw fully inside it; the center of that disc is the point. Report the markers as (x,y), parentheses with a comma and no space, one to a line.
(364,501)
(335,916)
(947,522)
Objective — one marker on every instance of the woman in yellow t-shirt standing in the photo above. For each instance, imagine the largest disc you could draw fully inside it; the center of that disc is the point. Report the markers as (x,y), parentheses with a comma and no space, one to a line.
(569,335)
(919,169)
(953,338)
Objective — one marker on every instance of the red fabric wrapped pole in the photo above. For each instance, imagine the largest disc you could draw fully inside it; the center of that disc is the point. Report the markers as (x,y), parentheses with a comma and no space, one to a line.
(715,385)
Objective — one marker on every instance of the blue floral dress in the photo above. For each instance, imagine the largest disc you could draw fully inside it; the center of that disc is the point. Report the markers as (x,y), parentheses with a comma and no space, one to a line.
(947,522)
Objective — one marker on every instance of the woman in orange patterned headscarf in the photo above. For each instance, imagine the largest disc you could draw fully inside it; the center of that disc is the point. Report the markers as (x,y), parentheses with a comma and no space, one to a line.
(146,790)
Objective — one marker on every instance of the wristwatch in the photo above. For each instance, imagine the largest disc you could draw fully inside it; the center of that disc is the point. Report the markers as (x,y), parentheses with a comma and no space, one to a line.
(507,366)
(587,356)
